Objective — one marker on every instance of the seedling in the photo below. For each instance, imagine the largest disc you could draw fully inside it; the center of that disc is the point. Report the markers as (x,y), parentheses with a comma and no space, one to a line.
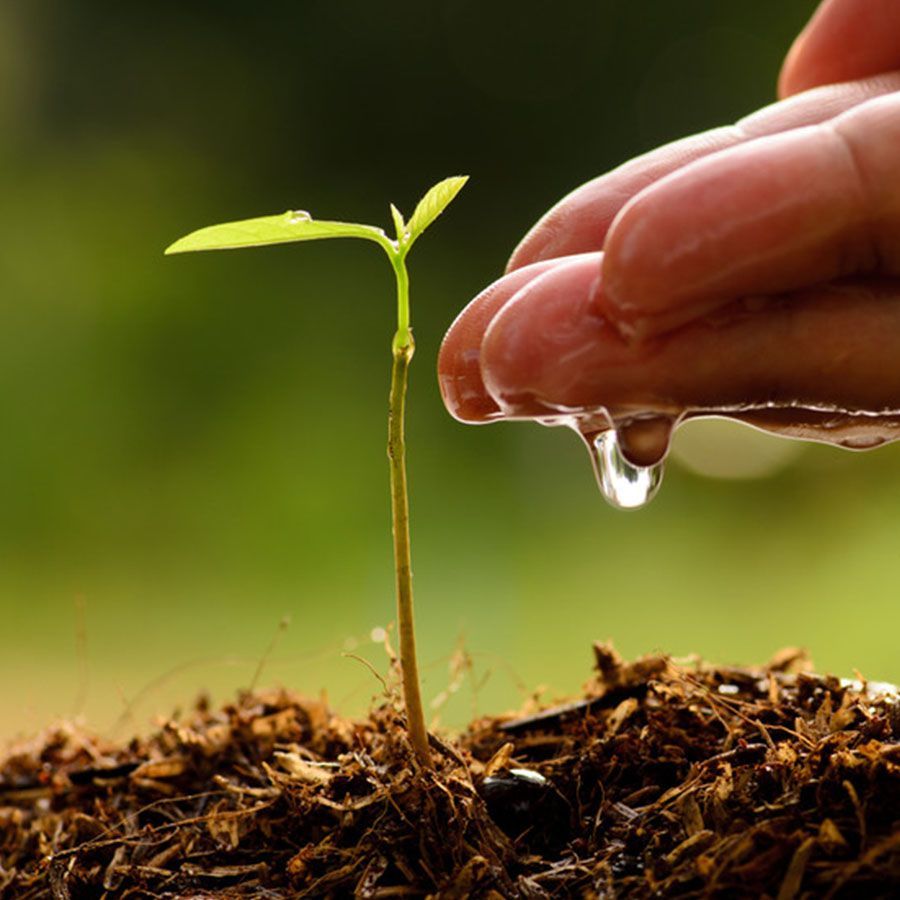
(299,225)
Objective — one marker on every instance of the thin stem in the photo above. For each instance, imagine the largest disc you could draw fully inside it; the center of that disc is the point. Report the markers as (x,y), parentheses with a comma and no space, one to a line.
(403,348)
(403,337)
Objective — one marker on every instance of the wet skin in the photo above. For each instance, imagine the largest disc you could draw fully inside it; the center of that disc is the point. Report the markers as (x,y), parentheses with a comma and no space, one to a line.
(753,269)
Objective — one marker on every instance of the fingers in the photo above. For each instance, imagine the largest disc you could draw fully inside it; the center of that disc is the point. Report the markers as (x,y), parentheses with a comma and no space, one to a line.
(579,222)
(768,216)
(720,215)
(845,40)
(549,350)
(459,360)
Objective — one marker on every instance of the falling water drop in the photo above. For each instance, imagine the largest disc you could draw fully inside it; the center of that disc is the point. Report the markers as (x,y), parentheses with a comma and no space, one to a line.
(624,485)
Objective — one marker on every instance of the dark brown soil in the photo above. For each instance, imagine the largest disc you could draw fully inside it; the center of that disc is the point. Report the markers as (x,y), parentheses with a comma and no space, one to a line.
(665,780)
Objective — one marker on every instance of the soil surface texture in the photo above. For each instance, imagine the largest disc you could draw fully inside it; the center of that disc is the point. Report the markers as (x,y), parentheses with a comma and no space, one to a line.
(667,779)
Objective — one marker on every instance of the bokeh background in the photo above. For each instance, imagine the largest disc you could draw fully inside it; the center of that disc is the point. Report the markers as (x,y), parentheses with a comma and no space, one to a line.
(193,447)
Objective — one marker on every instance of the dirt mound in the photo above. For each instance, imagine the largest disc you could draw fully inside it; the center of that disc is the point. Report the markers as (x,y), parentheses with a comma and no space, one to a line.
(665,780)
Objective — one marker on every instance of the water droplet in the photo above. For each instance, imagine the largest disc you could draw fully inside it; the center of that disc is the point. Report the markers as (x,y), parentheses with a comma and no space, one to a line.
(624,485)
(296,216)
(644,440)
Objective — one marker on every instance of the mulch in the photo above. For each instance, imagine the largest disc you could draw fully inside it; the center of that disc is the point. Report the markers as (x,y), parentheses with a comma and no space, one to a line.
(665,779)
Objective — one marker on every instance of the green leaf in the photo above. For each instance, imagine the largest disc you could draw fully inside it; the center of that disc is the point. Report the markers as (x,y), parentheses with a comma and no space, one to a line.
(433,204)
(399,224)
(294,225)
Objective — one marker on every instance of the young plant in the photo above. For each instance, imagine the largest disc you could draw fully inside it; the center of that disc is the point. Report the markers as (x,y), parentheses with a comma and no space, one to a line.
(299,225)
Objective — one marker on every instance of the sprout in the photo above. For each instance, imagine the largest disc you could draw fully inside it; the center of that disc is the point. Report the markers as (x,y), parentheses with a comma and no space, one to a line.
(299,225)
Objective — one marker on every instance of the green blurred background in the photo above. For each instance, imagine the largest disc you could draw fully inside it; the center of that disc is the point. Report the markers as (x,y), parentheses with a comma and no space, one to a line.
(194,447)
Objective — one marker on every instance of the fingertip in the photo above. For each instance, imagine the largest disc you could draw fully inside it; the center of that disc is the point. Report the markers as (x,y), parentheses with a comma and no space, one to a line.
(459,370)
(526,251)
(800,69)
(788,81)
(538,245)
(459,358)
(538,346)
(635,276)
(574,226)
(467,405)
(845,40)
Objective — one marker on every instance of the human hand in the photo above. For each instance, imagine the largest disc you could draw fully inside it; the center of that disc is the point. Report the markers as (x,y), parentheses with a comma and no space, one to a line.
(752,270)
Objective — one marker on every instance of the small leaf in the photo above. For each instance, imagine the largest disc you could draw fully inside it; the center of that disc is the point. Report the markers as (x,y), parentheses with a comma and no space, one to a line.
(294,225)
(399,224)
(433,204)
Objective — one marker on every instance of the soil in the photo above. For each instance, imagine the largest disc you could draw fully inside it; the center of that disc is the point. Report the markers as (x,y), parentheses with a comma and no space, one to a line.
(665,780)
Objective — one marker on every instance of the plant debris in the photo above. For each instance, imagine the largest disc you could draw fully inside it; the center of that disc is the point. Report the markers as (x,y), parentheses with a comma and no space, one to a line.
(667,779)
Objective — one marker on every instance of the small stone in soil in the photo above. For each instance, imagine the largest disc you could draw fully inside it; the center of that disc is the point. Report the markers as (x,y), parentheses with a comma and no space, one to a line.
(529,809)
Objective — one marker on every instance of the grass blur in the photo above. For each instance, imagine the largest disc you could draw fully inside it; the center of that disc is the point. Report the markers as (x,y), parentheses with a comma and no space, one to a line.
(194,447)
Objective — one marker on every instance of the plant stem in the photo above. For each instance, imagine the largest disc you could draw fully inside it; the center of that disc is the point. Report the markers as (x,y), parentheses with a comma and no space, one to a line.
(403,337)
(403,348)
